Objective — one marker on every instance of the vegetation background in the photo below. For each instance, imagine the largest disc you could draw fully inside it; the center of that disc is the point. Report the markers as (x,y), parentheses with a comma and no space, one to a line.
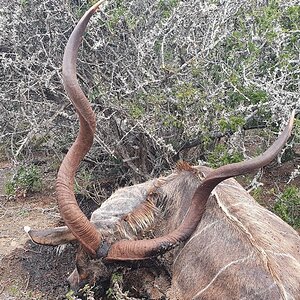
(202,80)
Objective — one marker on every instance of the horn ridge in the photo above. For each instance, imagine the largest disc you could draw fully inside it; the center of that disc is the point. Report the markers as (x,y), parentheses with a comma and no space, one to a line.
(74,218)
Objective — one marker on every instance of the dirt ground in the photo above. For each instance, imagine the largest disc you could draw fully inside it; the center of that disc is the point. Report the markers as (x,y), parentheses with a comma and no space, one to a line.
(30,271)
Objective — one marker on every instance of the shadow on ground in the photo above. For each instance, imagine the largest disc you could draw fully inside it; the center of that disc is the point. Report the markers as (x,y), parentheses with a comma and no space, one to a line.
(36,272)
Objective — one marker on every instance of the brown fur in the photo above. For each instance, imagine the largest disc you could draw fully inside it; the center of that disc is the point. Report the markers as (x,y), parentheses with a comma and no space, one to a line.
(141,218)
(239,249)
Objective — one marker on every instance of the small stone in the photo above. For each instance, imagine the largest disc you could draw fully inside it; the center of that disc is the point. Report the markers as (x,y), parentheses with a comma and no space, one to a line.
(13,243)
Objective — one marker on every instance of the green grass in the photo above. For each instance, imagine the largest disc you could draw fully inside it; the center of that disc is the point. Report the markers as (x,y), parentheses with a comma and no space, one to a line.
(26,179)
(287,206)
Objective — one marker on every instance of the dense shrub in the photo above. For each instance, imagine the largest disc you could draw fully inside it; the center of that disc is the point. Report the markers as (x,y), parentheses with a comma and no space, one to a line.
(168,79)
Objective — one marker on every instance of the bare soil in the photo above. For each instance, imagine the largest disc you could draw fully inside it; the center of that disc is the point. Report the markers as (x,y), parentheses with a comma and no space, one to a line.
(30,271)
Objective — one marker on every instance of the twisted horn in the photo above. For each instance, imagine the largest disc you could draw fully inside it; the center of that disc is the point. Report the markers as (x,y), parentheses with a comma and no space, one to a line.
(74,218)
(141,249)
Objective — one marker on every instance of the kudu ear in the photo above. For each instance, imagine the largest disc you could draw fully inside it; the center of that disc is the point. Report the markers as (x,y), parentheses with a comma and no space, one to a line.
(52,236)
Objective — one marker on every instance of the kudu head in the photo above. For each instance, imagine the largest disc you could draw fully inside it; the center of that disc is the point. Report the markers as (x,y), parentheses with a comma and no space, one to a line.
(97,249)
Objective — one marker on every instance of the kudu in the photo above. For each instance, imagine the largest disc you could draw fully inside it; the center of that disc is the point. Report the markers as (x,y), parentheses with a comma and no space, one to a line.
(221,243)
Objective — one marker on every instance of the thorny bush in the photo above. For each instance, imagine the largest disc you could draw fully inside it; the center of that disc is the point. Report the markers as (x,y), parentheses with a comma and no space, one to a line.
(168,79)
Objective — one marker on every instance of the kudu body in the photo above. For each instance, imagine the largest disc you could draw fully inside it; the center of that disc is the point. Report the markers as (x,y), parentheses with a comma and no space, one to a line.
(221,243)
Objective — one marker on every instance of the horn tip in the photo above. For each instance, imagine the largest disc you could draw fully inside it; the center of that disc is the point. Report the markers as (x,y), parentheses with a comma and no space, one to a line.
(292,118)
(293,114)
(96,5)
(27,229)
